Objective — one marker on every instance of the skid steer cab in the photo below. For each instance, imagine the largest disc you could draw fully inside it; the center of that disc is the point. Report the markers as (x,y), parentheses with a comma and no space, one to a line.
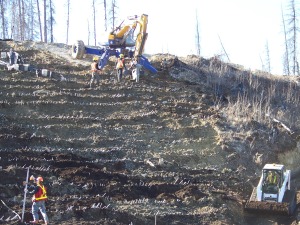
(273,192)
(128,39)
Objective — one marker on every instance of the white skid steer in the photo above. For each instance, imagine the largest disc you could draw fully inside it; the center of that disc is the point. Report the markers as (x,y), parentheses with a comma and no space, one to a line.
(273,192)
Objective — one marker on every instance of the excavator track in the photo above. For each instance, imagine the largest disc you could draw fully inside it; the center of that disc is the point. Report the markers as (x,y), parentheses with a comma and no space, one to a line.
(287,207)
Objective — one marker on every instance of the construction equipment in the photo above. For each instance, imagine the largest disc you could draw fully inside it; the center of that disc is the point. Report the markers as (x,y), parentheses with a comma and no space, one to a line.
(120,41)
(273,192)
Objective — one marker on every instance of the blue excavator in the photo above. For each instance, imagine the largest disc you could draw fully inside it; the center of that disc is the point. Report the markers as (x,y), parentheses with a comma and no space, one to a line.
(120,41)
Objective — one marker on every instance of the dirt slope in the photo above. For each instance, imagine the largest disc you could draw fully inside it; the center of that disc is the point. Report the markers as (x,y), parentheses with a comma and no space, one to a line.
(119,153)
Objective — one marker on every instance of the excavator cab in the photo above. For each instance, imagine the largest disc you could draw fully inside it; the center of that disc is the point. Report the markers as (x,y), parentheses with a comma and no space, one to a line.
(122,37)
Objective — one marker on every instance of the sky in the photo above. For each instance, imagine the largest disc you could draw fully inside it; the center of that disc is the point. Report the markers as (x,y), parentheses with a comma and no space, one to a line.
(244,27)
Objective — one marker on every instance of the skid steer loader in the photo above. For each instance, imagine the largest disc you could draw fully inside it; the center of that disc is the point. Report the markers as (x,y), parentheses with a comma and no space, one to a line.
(273,192)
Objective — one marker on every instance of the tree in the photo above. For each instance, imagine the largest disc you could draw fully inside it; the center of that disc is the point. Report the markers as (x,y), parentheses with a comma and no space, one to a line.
(224,49)
(197,35)
(68,20)
(40,22)
(105,16)
(89,32)
(292,32)
(94,19)
(267,59)
(286,60)
(52,21)
(113,12)
(3,17)
(45,22)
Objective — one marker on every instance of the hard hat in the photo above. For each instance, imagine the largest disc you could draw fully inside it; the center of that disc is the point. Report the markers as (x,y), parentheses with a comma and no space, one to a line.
(39,179)
(32,177)
(121,56)
(95,58)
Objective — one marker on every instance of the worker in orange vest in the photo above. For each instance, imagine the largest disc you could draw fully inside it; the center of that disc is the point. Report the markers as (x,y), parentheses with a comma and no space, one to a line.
(38,200)
(120,66)
(94,71)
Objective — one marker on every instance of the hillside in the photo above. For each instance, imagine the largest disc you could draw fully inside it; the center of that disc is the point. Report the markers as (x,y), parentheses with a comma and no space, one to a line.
(184,146)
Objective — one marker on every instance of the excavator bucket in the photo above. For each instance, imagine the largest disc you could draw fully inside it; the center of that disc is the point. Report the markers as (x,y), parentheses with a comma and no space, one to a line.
(287,207)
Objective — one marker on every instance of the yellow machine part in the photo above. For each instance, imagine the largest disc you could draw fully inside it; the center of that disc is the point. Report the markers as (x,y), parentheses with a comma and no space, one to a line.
(123,31)
(142,36)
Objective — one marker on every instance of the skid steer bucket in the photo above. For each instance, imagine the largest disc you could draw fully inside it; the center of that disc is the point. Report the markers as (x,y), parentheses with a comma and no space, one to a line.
(287,207)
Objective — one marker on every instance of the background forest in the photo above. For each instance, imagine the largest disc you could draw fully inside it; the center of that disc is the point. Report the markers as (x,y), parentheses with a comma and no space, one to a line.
(36,20)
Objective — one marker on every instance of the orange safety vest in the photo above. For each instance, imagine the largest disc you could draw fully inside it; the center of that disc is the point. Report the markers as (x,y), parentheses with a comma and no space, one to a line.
(41,194)
(120,63)
(94,67)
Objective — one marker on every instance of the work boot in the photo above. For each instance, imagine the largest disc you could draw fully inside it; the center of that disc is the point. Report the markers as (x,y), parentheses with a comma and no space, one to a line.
(34,222)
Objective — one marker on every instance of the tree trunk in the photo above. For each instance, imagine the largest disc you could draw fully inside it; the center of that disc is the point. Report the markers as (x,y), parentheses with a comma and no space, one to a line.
(94,16)
(197,35)
(45,21)
(113,12)
(89,32)
(40,22)
(68,20)
(105,16)
(23,27)
(51,22)
(3,18)
(20,21)
(286,63)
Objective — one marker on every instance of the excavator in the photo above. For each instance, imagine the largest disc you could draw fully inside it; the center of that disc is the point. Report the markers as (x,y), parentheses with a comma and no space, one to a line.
(273,192)
(120,40)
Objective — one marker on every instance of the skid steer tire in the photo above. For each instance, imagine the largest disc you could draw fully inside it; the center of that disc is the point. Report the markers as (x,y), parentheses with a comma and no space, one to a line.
(78,50)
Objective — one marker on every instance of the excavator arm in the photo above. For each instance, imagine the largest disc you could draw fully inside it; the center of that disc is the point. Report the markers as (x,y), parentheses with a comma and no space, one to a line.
(142,36)
(140,44)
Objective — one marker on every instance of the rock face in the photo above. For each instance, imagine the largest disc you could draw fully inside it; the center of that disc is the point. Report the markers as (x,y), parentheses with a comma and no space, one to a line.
(120,153)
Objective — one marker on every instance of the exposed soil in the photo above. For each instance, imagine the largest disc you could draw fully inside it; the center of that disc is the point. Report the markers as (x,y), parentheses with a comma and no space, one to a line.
(124,153)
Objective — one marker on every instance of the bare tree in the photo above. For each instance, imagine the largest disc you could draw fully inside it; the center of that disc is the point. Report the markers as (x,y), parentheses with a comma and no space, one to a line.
(267,58)
(197,35)
(23,20)
(224,49)
(3,18)
(292,32)
(45,22)
(68,20)
(105,16)
(113,12)
(40,22)
(89,31)
(286,60)
(15,31)
(51,21)
(94,19)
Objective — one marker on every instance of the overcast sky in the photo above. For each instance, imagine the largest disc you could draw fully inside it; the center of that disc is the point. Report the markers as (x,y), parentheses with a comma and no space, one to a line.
(244,27)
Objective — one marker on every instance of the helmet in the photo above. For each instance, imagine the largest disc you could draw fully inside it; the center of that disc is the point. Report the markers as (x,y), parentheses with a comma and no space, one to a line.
(121,56)
(95,58)
(39,179)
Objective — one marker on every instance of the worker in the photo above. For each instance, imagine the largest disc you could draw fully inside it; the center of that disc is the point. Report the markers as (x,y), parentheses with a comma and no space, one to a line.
(38,200)
(120,66)
(135,67)
(164,65)
(272,178)
(94,70)
(12,57)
